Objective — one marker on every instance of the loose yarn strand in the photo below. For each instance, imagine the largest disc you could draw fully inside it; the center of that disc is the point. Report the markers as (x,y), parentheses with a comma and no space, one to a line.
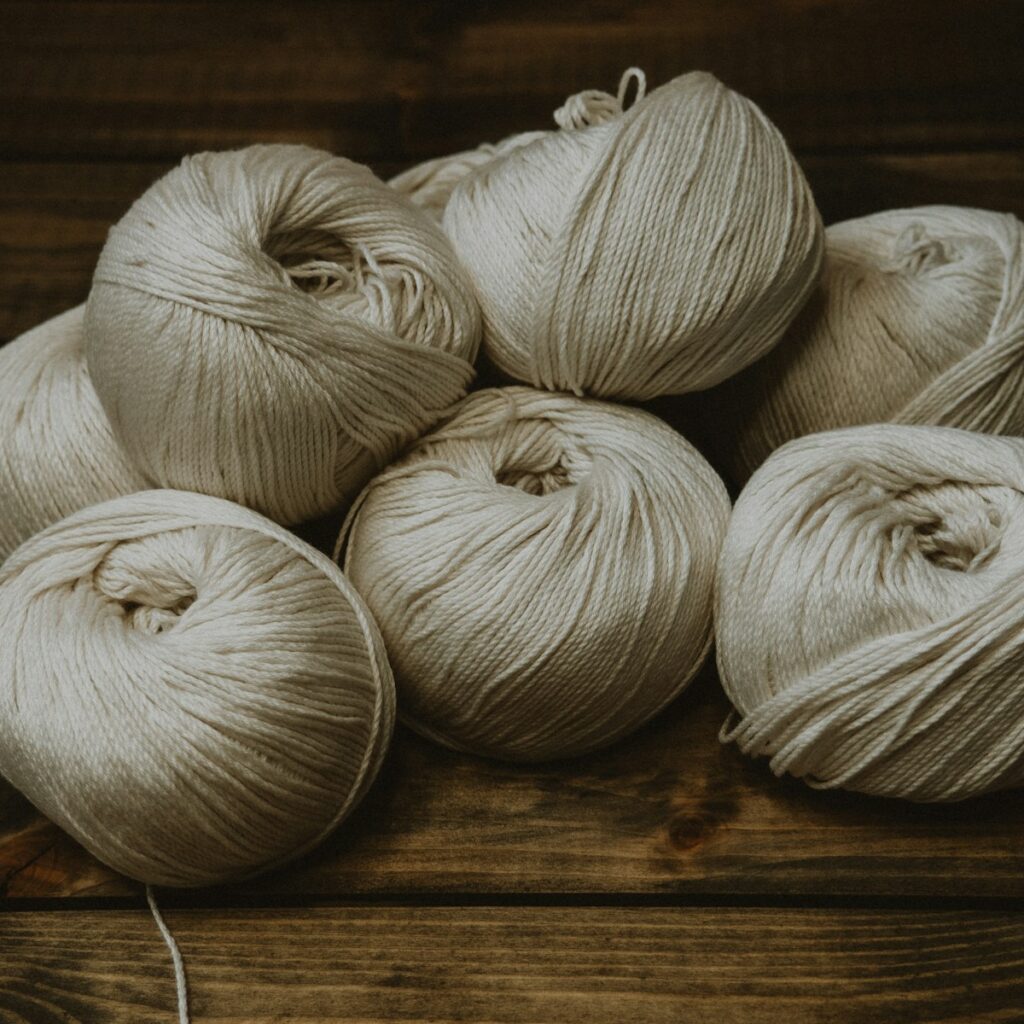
(180,981)
(632,75)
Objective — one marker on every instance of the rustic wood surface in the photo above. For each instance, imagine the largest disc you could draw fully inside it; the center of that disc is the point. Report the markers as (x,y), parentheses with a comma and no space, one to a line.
(576,965)
(667,878)
(667,811)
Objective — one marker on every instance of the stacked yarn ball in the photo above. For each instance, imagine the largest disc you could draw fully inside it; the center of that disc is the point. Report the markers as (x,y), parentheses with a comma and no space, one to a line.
(186,688)
(57,451)
(197,695)
(870,619)
(919,318)
(542,567)
(639,252)
(270,325)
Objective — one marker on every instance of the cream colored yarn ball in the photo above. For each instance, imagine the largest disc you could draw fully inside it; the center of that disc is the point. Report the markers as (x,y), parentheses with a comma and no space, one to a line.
(639,252)
(919,319)
(541,567)
(271,324)
(870,611)
(57,451)
(187,689)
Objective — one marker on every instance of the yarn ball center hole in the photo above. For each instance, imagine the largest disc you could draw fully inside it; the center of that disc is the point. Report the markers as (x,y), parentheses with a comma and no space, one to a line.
(316,261)
(151,582)
(349,277)
(150,619)
(537,458)
(952,527)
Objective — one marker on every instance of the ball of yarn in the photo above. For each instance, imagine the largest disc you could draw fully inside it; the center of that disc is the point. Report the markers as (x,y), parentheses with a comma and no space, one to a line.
(919,319)
(638,252)
(541,567)
(270,324)
(187,689)
(870,614)
(57,451)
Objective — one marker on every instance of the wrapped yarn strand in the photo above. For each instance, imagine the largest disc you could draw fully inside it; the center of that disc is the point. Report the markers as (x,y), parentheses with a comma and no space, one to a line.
(58,453)
(870,611)
(541,567)
(272,324)
(639,250)
(190,691)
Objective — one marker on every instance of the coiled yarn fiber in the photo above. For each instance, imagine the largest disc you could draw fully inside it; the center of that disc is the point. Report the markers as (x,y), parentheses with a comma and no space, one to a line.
(639,252)
(57,451)
(919,319)
(187,689)
(870,611)
(541,567)
(270,325)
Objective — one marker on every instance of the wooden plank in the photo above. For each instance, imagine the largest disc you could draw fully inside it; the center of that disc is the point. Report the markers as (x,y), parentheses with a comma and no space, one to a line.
(54,216)
(667,811)
(117,80)
(511,965)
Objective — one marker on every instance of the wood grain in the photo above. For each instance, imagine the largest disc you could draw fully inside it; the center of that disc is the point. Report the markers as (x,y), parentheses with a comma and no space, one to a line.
(119,80)
(54,216)
(507,966)
(667,811)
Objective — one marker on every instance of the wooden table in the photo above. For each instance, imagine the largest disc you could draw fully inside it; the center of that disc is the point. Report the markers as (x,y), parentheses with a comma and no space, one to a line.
(667,879)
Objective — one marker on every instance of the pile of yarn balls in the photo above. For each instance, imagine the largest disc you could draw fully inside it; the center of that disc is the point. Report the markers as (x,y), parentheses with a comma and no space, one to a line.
(529,571)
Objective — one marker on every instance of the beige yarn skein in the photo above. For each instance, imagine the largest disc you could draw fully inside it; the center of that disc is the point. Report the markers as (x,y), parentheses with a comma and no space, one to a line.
(541,567)
(639,252)
(271,324)
(190,691)
(57,451)
(919,319)
(870,611)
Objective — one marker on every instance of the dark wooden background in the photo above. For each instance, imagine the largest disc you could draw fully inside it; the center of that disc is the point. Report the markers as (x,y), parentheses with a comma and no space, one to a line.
(664,880)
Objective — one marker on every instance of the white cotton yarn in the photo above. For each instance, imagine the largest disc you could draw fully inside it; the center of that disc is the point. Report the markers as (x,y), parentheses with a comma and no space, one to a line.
(541,567)
(870,611)
(189,690)
(639,252)
(57,451)
(919,319)
(271,324)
